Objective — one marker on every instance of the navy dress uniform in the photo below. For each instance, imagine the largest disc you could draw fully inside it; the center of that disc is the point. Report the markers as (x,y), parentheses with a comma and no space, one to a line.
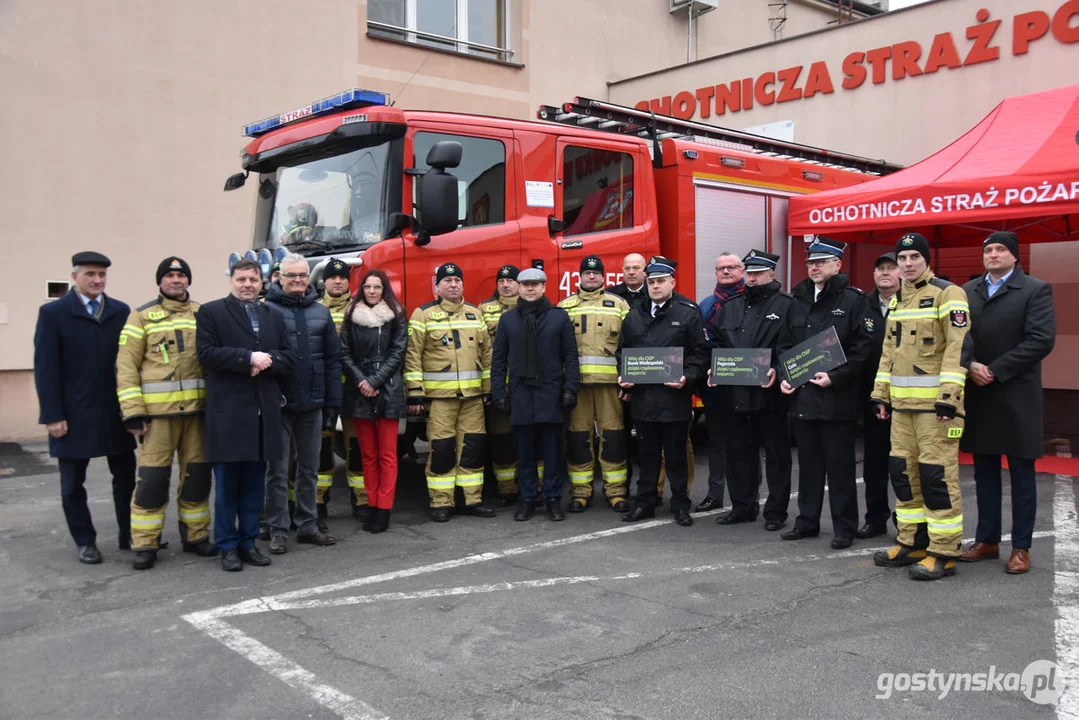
(75,347)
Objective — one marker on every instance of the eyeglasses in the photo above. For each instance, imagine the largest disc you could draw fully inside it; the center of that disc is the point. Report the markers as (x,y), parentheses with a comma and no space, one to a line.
(728,268)
(302,276)
(819,262)
(372,287)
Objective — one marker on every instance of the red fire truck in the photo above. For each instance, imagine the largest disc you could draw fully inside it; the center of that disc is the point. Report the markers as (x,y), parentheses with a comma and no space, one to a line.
(353,177)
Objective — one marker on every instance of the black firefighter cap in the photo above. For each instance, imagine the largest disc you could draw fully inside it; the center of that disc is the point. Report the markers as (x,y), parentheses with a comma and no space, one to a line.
(173,264)
(508,272)
(593,263)
(336,268)
(448,270)
(89,257)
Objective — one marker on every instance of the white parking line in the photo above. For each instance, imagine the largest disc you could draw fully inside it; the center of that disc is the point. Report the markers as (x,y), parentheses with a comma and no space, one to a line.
(1066,596)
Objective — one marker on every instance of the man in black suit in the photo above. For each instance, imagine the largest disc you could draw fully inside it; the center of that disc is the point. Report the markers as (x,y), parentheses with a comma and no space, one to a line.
(241,347)
(1012,329)
(75,347)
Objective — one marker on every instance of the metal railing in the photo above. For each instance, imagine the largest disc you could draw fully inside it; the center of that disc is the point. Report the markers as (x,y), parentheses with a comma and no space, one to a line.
(409,35)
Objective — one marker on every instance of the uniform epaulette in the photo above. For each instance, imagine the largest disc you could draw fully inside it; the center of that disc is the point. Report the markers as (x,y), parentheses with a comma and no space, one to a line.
(147,306)
(429,305)
(940,283)
(690,304)
(489,307)
(855,289)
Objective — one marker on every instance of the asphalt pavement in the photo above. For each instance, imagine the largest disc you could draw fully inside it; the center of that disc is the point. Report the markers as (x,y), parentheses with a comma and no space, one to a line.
(491,618)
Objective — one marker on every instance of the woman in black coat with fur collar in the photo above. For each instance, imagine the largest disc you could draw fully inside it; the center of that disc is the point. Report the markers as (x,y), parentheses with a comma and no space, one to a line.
(373,339)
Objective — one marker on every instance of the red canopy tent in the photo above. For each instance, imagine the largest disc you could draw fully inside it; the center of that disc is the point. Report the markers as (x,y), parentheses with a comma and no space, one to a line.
(1018,169)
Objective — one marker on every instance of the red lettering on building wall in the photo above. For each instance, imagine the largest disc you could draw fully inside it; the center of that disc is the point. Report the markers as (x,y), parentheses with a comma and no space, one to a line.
(906,58)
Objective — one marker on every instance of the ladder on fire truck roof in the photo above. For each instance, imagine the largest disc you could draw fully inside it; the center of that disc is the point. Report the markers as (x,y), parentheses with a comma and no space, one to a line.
(599,115)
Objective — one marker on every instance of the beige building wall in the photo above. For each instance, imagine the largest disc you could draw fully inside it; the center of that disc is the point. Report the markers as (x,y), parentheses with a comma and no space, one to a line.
(901,120)
(122,118)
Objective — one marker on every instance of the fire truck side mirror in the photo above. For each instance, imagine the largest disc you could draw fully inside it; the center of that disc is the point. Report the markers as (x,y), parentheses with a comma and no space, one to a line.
(235,182)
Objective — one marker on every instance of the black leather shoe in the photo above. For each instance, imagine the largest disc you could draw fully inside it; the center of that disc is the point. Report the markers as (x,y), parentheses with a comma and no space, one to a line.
(279,545)
(480,510)
(773,525)
(871,531)
(253,556)
(440,514)
(841,543)
(230,561)
(89,554)
(797,534)
(318,537)
(505,500)
(525,512)
(731,518)
(709,503)
(682,518)
(554,509)
(144,559)
(620,506)
(638,513)
(203,548)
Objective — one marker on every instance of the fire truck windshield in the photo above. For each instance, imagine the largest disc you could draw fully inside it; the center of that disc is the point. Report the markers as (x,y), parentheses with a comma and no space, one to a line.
(331,204)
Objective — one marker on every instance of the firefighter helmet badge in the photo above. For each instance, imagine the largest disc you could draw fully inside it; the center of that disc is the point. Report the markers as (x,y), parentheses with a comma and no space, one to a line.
(591,262)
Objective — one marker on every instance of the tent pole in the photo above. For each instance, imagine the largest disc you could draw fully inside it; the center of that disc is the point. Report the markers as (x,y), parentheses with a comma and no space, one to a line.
(936,253)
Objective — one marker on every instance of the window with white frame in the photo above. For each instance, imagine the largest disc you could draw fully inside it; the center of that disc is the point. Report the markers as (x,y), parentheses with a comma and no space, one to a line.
(472,27)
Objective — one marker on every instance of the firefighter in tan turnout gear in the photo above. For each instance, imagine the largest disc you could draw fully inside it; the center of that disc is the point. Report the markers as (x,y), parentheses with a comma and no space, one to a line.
(162,393)
(499,432)
(597,324)
(336,298)
(920,385)
(448,366)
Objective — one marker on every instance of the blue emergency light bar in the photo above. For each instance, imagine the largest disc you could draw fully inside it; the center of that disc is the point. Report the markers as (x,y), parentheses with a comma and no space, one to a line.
(347,100)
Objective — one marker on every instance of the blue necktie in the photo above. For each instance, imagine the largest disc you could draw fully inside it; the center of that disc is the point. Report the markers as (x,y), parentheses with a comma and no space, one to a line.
(92,307)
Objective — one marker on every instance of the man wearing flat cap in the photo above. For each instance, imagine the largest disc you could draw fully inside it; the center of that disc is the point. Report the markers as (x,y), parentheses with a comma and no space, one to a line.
(75,348)
(752,416)
(535,378)
(448,369)
(597,317)
(499,431)
(662,413)
(162,395)
(824,411)
(1012,329)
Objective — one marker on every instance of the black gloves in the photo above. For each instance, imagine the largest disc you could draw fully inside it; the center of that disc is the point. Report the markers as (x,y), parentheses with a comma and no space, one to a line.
(569,400)
(414,400)
(944,410)
(329,418)
(878,404)
(136,423)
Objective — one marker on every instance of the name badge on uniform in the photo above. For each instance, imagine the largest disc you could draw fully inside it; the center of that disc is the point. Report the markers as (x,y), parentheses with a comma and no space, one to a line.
(771,316)
(608,303)
(840,312)
(470,316)
(925,302)
(675,323)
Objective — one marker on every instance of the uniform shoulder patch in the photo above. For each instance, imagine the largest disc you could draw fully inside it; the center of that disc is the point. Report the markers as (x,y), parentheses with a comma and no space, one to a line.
(157,314)
(147,306)
(940,283)
(959,318)
(571,301)
(869,324)
(437,315)
(493,308)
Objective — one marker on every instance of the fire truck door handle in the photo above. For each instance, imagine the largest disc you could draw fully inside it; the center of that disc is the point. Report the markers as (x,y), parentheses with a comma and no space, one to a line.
(555,225)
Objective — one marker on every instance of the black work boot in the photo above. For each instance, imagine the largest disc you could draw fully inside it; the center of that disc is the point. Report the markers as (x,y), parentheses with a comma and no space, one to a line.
(144,559)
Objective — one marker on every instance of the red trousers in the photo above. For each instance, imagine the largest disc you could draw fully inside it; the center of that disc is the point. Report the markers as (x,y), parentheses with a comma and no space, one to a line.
(378,446)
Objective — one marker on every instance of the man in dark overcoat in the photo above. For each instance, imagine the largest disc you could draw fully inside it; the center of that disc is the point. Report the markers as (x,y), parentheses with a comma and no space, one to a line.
(75,348)
(242,349)
(535,348)
(1012,328)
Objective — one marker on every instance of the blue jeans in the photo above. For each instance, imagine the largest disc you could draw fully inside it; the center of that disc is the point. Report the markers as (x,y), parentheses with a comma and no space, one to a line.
(987,480)
(533,440)
(238,504)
